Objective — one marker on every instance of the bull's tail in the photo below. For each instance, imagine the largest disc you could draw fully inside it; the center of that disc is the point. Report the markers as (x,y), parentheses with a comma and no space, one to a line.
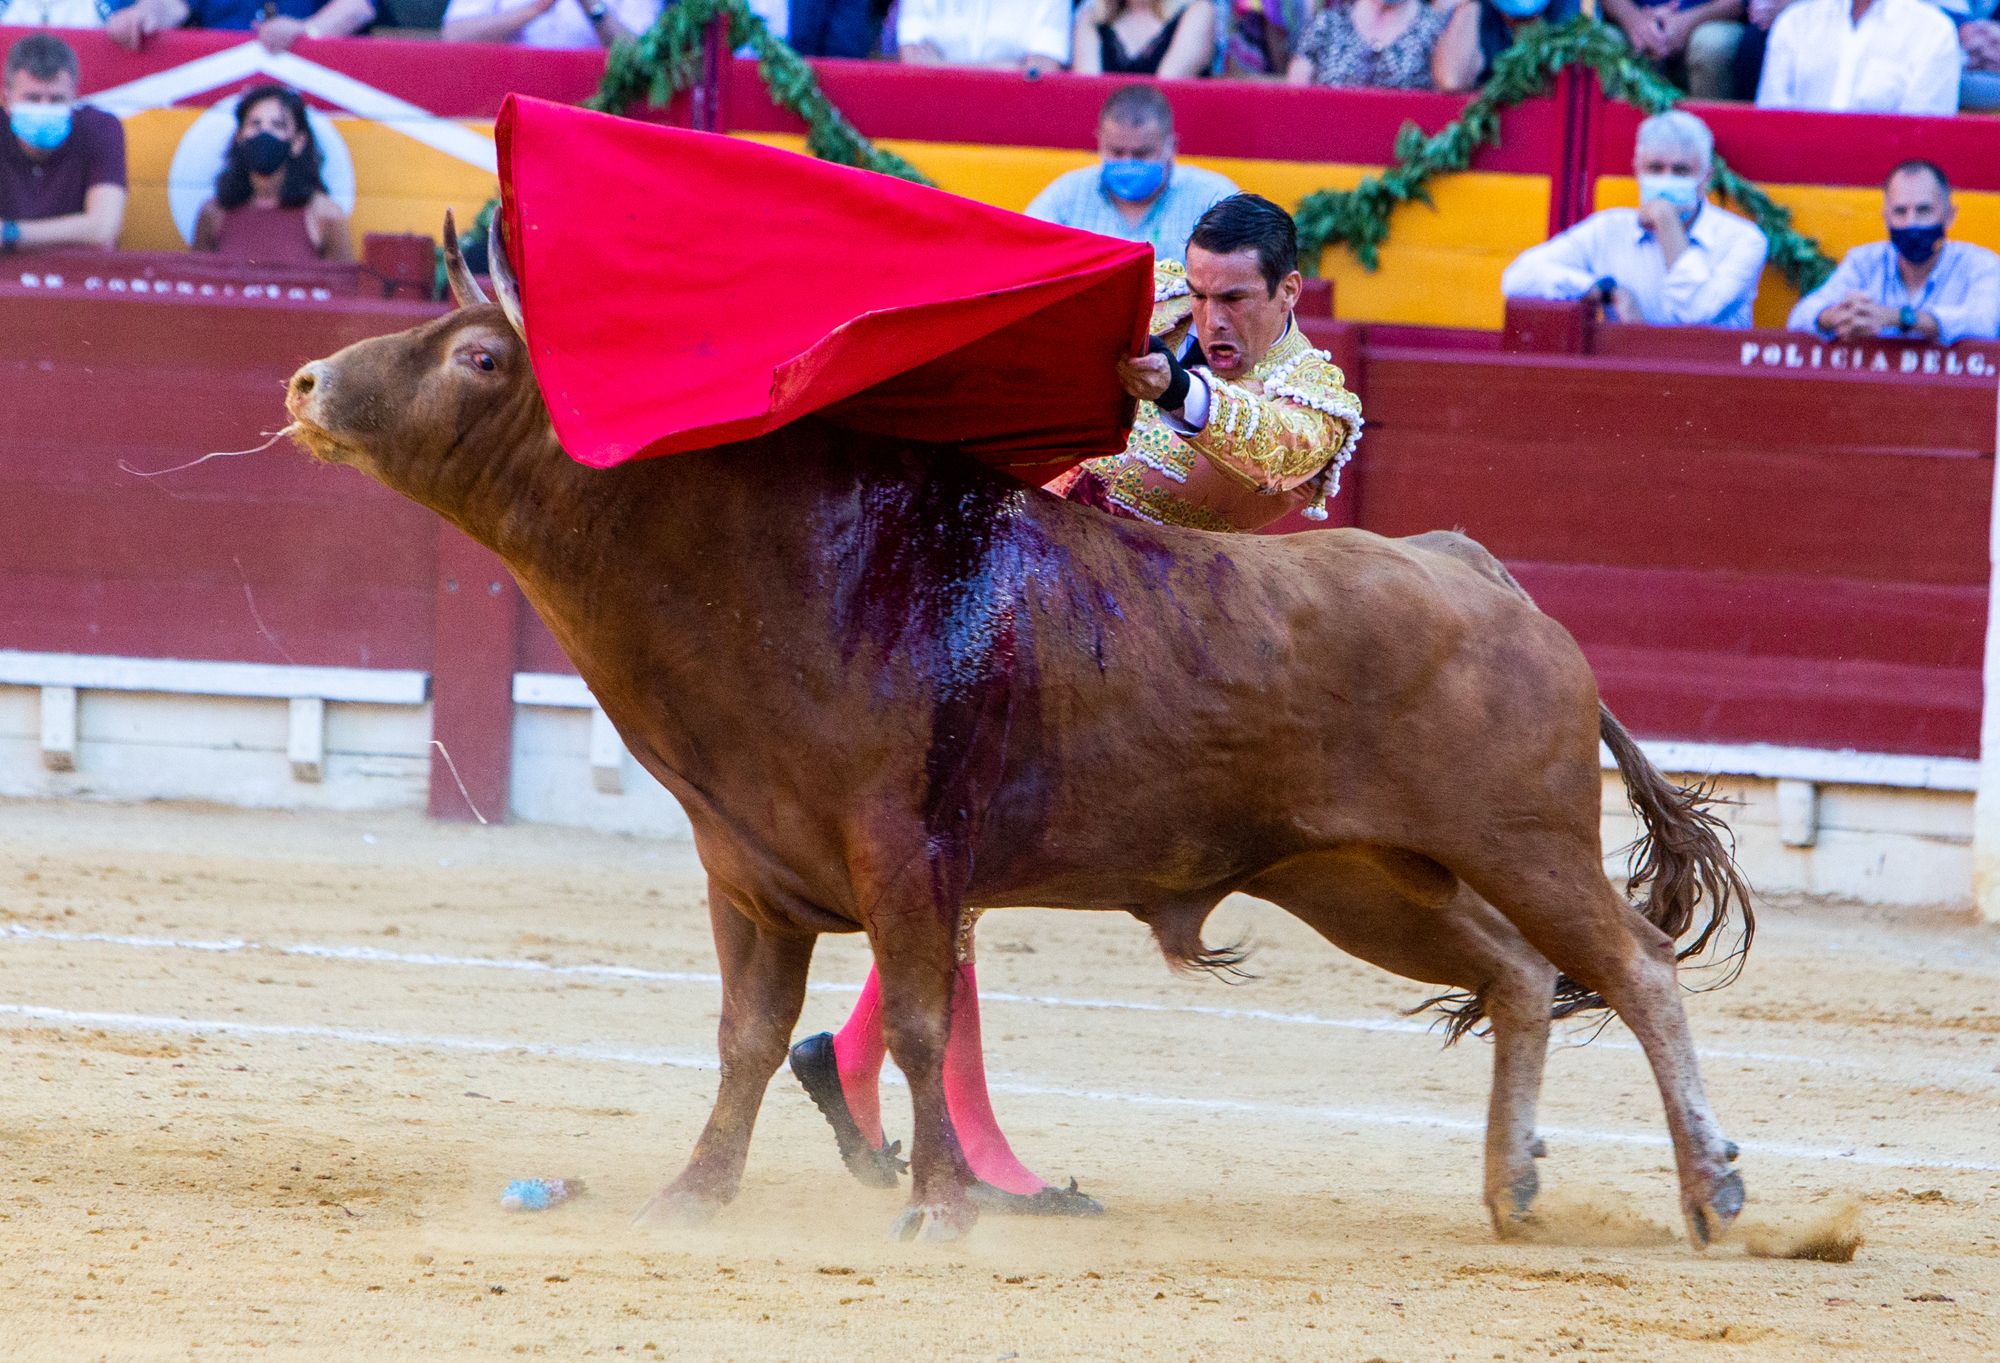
(1683,869)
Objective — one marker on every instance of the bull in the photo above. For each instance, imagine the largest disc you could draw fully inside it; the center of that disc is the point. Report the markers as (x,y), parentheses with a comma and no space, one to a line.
(889,685)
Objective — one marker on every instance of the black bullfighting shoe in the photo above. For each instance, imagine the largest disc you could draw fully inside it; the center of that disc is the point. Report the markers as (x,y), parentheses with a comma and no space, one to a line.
(1048,1201)
(813,1063)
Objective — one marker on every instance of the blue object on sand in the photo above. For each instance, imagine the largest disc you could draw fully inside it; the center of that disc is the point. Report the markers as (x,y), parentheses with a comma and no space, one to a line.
(537,1194)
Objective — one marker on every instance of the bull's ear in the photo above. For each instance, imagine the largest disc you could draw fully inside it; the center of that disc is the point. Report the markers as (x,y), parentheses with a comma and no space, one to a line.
(502,271)
(465,290)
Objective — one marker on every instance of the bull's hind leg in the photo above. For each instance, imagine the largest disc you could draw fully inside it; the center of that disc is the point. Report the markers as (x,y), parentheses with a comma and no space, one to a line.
(763,991)
(1554,890)
(1432,929)
(1516,1002)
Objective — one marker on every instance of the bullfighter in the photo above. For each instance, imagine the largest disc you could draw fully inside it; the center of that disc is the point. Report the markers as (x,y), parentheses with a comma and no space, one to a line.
(1241,421)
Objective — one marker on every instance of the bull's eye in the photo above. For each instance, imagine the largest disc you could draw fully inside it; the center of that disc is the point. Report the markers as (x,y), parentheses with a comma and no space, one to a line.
(483,361)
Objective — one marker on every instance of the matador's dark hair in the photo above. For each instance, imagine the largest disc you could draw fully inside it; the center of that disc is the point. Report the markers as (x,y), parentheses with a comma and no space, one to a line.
(1245,222)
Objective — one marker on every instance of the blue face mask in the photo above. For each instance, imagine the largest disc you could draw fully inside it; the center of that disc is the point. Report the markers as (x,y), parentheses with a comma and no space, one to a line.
(1521,9)
(1134,181)
(41,126)
(1917,244)
(1682,191)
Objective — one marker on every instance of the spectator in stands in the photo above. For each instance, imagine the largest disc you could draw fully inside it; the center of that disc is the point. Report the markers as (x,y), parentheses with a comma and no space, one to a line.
(1915,284)
(834,28)
(1693,42)
(1872,56)
(271,206)
(277,23)
(1676,260)
(1466,53)
(1172,39)
(1261,35)
(1386,44)
(548,23)
(51,14)
(1979,47)
(62,164)
(1138,192)
(1012,35)
(1760,15)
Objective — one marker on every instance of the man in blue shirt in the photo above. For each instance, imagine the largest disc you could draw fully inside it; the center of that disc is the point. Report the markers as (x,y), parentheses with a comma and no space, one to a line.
(1916,284)
(1137,192)
(277,23)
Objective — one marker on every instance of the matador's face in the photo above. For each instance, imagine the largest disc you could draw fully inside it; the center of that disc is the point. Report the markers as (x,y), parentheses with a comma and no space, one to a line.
(1238,317)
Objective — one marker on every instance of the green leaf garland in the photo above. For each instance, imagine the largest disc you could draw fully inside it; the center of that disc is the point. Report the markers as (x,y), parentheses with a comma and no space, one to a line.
(1358,218)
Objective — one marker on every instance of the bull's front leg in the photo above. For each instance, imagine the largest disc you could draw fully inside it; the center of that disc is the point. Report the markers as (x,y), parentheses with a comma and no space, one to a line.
(763,992)
(916,952)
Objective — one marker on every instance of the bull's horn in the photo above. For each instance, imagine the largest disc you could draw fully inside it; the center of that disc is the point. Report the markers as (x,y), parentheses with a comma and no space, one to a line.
(502,271)
(465,289)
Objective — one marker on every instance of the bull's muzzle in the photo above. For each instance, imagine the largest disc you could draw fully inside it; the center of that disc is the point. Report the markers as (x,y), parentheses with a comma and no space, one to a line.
(305,395)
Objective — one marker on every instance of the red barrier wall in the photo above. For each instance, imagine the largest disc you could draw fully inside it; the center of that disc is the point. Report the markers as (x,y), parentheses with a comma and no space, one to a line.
(1746,554)
(267,557)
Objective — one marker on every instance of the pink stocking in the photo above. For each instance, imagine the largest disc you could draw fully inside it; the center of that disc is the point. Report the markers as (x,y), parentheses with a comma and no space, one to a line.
(858,1049)
(979,1135)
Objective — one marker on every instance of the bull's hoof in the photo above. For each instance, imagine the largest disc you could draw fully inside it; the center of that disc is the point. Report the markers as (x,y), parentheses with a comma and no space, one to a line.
(934,1221)
(877,1166)
(1509,1206)
(1046,1201)
(681,1207)
(1709,1221)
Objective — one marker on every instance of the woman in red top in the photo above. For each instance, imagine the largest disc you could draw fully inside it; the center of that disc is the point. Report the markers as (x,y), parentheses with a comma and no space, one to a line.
(271,206)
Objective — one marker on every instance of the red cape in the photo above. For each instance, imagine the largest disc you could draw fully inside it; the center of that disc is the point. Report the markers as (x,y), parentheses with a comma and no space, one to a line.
(683,290)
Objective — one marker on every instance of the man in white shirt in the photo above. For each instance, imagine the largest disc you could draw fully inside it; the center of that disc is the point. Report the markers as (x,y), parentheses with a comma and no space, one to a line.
(1013,35)
(1676,260)
(1865,56)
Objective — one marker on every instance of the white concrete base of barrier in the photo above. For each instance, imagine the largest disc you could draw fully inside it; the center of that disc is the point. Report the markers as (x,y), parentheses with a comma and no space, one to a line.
(1879,844)
(1883,829)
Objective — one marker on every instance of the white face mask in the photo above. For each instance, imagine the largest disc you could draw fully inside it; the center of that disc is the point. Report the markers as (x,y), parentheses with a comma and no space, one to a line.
(1682,191)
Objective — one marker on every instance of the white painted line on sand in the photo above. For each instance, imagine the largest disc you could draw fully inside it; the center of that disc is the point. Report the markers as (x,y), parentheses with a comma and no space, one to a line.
(141,1022)
(1879,1156)
(643,974)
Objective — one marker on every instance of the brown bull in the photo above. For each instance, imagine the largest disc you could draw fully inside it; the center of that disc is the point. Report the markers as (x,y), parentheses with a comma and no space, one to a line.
(888,684)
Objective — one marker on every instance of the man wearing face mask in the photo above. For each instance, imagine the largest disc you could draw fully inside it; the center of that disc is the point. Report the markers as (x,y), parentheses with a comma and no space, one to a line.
(1137,192)
(62,164)
(1676,260)
(1916,284)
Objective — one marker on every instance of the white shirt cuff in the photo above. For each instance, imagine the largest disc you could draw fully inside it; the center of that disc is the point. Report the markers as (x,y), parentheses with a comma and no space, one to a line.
(1193,414)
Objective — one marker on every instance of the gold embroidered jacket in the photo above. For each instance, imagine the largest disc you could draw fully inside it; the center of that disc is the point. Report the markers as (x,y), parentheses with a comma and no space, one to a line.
(1274,442)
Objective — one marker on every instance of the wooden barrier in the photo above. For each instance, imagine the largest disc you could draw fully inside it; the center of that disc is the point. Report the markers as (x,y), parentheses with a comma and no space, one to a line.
(1748,552)
(265,558)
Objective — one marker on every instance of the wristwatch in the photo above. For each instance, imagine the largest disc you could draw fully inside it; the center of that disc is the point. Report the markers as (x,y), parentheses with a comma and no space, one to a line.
(10,235)
(1907,318)
(595,10)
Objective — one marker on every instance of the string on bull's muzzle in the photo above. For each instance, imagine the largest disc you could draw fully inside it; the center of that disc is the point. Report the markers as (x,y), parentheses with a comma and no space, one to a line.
(276,436)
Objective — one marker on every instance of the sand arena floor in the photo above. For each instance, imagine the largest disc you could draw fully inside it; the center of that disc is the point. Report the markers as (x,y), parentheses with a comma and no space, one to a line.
(267,1075)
